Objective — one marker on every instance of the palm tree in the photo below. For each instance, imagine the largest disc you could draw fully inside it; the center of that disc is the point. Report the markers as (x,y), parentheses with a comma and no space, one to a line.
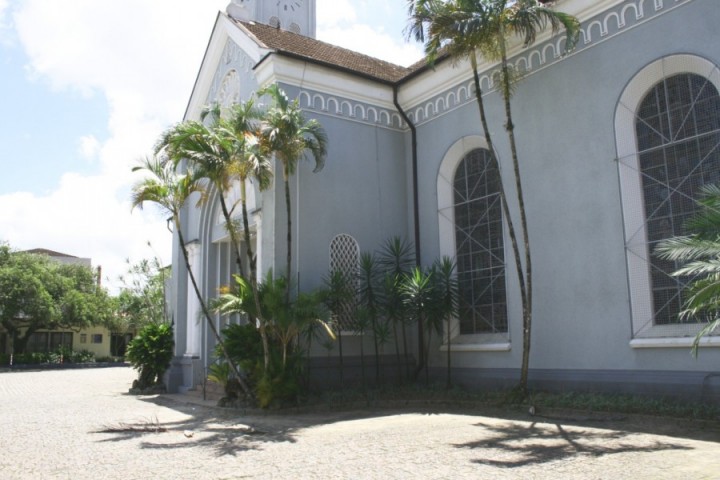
(444,302)
(171,191)
(396,259)
(212,152)
(226,150)
(462,29)
(288,135)
(700,253)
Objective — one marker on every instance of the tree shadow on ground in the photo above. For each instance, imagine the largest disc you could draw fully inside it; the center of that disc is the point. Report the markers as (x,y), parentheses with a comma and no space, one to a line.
(224,431)
(513,445)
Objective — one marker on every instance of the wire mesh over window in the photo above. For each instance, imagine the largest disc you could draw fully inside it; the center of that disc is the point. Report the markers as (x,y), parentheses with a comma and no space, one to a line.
(678,137)
(344,259)
(479,245)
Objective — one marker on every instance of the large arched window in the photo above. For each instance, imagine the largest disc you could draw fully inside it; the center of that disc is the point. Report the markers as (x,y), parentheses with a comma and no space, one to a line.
(479,245)
(668,132)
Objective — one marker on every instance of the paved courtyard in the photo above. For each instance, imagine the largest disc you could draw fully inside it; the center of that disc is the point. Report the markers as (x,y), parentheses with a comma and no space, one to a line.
(80,424)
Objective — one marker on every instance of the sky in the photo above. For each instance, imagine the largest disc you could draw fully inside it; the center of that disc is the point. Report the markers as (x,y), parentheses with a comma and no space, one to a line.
(86,88)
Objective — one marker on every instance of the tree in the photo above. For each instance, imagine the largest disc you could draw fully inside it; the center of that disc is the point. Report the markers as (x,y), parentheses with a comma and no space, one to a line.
(37,293)
(229,149)
(170,191)
(212,150)
(699,254)
(444,302)
(141,300)
(288,135)
(464,29)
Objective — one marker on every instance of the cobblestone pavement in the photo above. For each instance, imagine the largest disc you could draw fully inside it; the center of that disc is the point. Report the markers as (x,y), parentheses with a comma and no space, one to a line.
(79,424)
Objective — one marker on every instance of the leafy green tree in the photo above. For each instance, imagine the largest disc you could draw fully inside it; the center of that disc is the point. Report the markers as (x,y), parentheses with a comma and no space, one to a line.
(289,136)
(699,254)
(464,29)
(170,191)
(37,293)
(141,300)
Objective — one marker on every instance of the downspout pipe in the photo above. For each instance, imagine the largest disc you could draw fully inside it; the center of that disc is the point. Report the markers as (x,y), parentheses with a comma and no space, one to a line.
(416,202)
(416,216)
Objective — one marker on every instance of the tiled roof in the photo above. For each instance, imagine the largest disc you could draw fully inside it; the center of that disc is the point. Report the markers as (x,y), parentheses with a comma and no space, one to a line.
(312,50)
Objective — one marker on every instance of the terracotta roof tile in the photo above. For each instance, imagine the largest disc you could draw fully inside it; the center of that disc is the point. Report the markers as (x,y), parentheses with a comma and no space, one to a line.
(313,50)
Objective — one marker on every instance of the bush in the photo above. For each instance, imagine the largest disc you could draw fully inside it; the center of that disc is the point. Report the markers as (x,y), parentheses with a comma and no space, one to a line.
(150,353)
(276,387)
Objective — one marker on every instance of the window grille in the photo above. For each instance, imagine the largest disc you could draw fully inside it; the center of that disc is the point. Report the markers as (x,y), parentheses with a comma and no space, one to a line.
(345,258)
(677,127)
(479,245)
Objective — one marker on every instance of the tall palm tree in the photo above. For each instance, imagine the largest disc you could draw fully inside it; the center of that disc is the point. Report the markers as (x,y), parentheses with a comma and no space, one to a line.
(464,29)
(211,154)
(288,135)
(226,150)
(699,252)
(171,191)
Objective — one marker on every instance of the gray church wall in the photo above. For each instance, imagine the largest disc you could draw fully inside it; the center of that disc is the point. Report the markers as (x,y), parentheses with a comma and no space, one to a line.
(564,117)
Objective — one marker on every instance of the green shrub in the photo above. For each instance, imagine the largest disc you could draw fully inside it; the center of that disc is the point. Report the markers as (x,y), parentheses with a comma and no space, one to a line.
(4,359)
(150,353)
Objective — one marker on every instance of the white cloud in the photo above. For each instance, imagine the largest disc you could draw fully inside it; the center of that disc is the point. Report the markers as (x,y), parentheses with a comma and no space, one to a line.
(337,24)
(88,147)
(142,57)
(365,39)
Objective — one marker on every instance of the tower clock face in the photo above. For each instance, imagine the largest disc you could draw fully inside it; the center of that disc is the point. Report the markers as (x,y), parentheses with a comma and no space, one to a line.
(289,5)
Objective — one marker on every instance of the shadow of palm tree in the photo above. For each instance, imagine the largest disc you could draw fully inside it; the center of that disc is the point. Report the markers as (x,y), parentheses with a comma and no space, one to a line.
(515,445)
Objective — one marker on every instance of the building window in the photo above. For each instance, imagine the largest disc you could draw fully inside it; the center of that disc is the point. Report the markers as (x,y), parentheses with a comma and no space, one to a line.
(479,245)
(668,135)
(678,135)
(345,259)
(96,338)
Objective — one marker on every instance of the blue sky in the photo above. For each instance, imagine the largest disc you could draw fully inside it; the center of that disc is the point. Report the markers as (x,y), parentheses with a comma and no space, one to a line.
(86,86)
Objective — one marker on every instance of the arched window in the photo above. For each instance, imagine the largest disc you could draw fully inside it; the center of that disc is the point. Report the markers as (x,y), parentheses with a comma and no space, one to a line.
(479,244)
(668,128)
(344,259)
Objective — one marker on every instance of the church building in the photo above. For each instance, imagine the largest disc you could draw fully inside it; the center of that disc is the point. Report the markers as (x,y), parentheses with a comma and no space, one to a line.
(615,140)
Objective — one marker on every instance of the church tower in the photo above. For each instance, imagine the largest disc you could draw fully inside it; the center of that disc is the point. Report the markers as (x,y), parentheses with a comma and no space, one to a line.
(293,15)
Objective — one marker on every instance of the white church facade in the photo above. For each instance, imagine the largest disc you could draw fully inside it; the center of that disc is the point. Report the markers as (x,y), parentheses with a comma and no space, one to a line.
(615,140)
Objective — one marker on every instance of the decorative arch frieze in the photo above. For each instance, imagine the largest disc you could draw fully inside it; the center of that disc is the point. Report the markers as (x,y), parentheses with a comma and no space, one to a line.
(357,111)
(613,21)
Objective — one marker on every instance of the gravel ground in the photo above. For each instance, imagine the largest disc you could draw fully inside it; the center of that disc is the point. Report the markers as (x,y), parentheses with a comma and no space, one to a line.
(81,424)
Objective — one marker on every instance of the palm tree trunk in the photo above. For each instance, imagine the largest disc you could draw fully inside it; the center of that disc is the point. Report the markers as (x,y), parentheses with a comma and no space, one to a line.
(231,231)
(289,234)
(397,349)
(506,210)
(527,299)
(206,313)
(253,274)
(405,349)
(449,382)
